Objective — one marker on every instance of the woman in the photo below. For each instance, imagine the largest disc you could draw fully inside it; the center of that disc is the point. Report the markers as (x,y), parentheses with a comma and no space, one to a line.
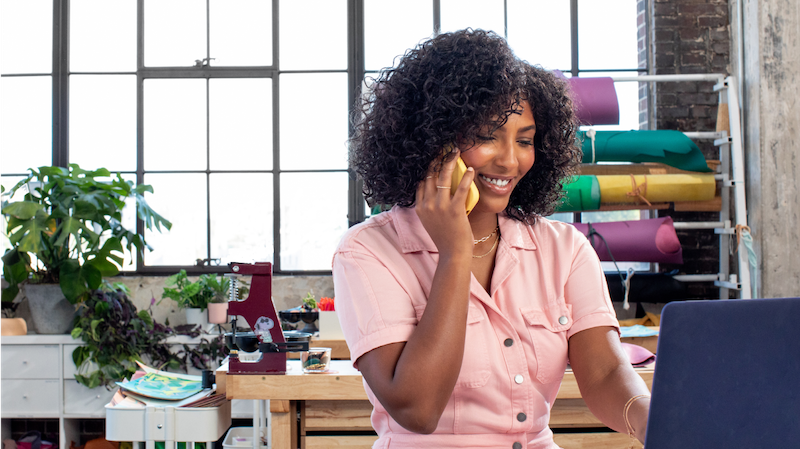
(462,324)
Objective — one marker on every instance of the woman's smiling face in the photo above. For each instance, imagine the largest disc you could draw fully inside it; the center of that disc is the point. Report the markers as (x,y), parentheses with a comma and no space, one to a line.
(501,157)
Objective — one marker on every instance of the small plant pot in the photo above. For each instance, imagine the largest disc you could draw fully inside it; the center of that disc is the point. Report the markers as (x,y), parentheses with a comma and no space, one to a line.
(196,316)
(218,313)
(329,326)
(51,313)
(13,326)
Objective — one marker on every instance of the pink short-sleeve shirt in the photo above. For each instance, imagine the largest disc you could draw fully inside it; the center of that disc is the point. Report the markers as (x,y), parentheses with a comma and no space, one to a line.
(546,286)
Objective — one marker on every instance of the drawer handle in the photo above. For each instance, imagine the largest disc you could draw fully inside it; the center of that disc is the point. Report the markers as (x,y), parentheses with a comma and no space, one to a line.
(24,362)
(98,396)
(24,396)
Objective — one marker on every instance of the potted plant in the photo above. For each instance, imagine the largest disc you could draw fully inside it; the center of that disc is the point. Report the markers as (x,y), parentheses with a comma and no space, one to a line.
(209,291)
(66,235)
(116,335)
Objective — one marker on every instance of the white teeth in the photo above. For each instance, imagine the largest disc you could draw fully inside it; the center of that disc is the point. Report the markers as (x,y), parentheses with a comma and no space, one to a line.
(497,182)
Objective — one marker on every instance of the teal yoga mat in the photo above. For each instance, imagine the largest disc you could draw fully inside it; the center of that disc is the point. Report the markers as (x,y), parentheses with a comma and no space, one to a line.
(665,146)
(582,193)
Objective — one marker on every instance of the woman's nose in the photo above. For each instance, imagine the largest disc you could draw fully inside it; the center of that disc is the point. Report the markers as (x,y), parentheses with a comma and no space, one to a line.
(506,154)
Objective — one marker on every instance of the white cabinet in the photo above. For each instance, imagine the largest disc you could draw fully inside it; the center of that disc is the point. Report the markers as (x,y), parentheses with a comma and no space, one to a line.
(38,381)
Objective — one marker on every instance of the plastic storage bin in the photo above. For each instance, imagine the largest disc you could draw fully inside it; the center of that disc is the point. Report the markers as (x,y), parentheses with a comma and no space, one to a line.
(240,438)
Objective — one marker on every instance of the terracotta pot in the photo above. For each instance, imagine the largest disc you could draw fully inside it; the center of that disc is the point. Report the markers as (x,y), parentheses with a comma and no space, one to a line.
(51,313)
(13,326)
(218,313)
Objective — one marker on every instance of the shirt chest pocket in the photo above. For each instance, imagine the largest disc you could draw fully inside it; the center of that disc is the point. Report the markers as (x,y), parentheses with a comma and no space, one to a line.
(475,366)
(548,328)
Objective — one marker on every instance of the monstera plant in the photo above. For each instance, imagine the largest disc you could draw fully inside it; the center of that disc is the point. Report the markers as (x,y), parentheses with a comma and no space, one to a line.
(65,228)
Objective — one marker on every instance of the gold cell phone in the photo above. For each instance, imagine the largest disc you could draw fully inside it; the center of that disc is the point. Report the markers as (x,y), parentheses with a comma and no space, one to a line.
(472,195)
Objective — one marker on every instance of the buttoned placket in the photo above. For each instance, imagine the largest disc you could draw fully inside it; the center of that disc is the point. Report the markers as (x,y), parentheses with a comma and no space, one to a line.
(516,360)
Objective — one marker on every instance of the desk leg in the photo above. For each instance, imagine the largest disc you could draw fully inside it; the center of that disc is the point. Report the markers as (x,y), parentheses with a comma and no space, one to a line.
(284,424)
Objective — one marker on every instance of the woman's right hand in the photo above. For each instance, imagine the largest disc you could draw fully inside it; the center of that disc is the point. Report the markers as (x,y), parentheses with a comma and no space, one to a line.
(445,216)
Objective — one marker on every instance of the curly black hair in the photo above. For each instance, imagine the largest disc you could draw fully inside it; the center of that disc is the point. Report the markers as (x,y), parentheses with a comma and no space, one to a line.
(446,90)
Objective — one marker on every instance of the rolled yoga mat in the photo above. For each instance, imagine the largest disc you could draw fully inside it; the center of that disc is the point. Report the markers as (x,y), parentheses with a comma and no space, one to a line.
(583,193)
(656,188)
(594,100)
(652,240)
(665,146)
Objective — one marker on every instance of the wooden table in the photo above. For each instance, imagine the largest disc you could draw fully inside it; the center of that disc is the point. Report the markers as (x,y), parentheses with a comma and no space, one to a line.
(336,403)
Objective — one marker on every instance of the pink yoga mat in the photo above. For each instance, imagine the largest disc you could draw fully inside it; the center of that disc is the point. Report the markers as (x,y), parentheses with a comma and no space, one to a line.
(595,100)
(652,240)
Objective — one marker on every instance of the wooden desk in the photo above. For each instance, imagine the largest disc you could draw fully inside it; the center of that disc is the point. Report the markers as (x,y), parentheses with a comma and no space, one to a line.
(337,403)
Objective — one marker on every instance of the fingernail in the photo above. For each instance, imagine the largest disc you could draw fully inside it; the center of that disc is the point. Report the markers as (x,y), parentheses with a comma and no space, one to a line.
(470,169)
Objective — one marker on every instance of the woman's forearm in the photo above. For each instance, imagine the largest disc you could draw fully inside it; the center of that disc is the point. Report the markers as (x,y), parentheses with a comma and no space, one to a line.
(608,382)
(415,388)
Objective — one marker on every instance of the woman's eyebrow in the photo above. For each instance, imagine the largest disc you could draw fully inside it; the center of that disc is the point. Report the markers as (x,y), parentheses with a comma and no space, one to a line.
(527,128)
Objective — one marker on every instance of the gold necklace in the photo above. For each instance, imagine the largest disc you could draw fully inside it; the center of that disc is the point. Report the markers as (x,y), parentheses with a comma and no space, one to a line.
(475,242)
(490,249)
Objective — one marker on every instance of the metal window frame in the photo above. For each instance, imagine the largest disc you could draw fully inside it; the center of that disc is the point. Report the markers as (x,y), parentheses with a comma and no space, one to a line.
(355,72)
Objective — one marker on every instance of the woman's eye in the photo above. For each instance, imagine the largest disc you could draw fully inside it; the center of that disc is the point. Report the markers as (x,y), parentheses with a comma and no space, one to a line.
(525,142)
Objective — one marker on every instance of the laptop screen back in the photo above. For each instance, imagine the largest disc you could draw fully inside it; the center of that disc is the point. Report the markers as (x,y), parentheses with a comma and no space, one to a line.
(727,375)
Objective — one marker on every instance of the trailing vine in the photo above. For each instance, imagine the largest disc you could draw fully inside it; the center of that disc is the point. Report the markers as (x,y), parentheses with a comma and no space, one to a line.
(116,335)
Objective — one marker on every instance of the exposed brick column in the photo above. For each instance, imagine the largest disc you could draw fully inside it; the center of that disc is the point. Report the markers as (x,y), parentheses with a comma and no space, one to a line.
(691,36)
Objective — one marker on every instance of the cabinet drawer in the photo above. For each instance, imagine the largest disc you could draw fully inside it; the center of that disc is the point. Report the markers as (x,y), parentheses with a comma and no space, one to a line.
(30,397)
(79,400)
(30,362)
(337,415)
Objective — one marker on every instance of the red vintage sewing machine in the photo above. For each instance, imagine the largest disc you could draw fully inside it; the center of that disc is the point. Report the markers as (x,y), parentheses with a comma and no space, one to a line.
(259,312)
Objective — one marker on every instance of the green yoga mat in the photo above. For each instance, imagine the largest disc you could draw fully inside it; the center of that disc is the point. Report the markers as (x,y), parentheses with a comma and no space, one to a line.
(665,146)
(582,193)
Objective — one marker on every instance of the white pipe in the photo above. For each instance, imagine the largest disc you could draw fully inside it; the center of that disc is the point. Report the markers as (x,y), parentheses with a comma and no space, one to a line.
(699,225)
(718,77)
(709,135)
(696,277)
(737,166)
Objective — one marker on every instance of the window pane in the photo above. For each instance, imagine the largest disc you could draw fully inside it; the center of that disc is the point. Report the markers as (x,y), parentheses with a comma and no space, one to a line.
(313,219)
(241,217)
(628,100)
(129,222)
(241,32)
(240,124)
(313,35)
(175,124)
(26,111)
(484,14)
(181,199)
(392,28)
(7,182)
(26,36)
(314,118)
(607,35)
(102,121)
(539,32)
(174,32)
(115,22)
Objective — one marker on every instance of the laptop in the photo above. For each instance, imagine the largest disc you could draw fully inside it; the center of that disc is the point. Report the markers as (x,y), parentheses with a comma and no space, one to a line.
(727,375)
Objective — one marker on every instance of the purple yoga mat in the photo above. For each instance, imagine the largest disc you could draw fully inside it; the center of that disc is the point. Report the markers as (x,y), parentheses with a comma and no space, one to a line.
(652,240)
(595,100)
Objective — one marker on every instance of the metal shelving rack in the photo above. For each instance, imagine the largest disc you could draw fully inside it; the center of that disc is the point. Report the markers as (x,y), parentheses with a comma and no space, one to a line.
(730,174)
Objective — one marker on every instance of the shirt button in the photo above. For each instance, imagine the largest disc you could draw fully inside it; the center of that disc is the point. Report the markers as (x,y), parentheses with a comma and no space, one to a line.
(517,445)
(563,320)
(521,417)
(518,378)
(508,342)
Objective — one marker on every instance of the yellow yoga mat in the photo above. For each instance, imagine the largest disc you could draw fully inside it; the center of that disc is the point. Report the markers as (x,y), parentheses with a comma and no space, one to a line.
(656,188)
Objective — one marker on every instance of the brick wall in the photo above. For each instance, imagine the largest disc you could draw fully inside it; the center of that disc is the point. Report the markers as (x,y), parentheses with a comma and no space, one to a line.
(691,36)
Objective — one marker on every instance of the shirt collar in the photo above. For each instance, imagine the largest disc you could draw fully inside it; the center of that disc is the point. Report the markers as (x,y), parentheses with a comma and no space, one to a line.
(413,236)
